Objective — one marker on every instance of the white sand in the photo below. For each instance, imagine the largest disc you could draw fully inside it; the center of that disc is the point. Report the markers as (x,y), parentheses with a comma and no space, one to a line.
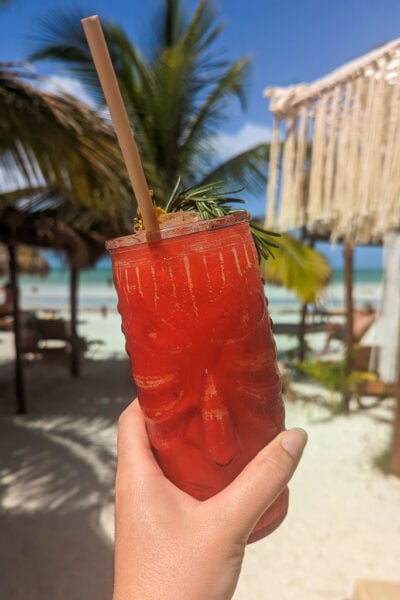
(56,490)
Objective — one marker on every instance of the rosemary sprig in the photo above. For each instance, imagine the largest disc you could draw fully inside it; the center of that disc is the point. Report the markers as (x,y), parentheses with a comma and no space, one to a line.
(211,201)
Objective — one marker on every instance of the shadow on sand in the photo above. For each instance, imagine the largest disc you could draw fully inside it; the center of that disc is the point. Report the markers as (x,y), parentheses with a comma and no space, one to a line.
(57,467)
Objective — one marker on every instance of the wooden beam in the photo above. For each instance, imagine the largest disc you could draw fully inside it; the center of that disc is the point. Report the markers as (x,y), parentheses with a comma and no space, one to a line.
(348,278)
(75,351)
(394,459)
(19,373)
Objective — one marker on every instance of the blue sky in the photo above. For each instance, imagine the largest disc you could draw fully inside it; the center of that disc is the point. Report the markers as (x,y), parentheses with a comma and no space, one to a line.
(289,41)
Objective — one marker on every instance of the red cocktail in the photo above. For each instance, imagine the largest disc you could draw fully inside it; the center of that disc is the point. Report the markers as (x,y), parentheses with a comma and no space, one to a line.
(202,354)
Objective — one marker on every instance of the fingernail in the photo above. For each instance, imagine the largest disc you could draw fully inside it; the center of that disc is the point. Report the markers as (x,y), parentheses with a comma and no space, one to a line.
(293,441)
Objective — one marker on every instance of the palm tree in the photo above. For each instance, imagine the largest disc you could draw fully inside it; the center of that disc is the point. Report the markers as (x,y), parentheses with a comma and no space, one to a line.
(55,150)
(176,93)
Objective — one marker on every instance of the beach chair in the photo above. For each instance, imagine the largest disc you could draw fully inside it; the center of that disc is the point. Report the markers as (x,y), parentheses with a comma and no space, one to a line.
(363,318)
(47,339)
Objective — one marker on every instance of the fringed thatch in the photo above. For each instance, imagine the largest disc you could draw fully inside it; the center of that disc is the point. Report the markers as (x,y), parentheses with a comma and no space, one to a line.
(347,186)
(30,261)
(52,142)
(340,160)
(62,186)
(82,248)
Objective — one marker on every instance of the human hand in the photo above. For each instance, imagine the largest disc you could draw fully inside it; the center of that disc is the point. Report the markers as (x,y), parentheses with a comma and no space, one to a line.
(170,546)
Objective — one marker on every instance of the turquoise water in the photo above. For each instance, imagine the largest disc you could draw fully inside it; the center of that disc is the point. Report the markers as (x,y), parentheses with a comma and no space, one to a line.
(104,276)
(96,289)
(374,276)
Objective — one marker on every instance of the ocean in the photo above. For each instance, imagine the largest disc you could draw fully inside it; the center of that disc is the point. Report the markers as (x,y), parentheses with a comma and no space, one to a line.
(96,290)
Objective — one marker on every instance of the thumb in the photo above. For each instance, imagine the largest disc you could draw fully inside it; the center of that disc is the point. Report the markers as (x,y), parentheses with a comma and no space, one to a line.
(246,499)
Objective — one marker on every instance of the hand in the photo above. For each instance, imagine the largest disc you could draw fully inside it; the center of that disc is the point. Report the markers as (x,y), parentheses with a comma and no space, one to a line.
(170,546)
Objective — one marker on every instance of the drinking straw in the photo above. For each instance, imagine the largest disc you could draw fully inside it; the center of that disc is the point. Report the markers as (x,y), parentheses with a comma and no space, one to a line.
(108,80)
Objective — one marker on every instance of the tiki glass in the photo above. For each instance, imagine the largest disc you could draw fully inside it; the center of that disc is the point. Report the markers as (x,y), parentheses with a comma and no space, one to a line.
(202,354)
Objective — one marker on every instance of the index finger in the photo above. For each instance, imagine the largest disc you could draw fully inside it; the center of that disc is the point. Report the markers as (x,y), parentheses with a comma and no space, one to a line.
(133,446)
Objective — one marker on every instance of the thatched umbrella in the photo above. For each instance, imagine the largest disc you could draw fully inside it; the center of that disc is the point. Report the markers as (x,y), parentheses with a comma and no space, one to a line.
(352,118)
(54,150)
(82,249)
(63,184)
(29,260)
(336,174)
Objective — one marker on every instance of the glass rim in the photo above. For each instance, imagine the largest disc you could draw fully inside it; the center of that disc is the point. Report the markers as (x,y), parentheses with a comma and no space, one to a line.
(183,229)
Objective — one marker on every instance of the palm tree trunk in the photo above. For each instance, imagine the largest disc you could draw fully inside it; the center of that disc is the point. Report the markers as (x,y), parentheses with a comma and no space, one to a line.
(75,353)
(19,374)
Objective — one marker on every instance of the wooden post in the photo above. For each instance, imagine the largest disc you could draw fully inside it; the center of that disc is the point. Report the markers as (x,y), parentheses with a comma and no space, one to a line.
(349,339)
(394,460)
(19,374)
(304,310)
(302,331)
(75,350)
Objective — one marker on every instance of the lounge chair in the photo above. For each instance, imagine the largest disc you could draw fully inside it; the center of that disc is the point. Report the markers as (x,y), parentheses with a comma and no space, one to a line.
(47,339)
(363,318)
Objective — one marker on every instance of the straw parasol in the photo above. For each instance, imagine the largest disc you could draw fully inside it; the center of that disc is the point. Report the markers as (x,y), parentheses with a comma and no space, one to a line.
(30,261)
(335,175)
(341,153)
(65,190)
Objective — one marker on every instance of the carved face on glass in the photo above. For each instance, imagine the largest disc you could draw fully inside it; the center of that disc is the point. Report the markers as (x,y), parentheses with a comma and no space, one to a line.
(203,358)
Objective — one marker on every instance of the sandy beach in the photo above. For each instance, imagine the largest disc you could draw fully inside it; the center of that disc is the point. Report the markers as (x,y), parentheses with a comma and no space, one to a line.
(57,468)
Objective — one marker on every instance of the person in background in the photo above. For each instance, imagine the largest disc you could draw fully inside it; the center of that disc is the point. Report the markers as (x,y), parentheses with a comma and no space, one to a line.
(170,546)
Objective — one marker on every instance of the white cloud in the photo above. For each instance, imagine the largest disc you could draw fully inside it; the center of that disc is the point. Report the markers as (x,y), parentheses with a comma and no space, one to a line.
(70,85)
(250,135)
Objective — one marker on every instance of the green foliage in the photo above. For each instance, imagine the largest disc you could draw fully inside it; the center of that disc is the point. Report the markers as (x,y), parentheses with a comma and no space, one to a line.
(298,267)
(212,201)
(85,344)
(65,154)
(334,377)
(176,90)
(331,375)
(381,460)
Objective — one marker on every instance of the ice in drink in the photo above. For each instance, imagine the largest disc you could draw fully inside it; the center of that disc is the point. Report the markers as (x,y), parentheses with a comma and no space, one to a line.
(202,354)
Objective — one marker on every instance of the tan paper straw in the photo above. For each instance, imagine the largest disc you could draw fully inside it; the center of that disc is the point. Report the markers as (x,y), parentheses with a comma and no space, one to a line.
(102,61)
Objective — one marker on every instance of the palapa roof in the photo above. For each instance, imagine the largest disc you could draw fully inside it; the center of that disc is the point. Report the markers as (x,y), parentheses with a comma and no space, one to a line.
(30,261)
(83,247)
(337,172)
(63,184)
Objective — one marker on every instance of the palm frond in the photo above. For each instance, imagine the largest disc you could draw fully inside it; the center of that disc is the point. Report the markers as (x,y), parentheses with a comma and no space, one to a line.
(78,156)
(247,169)
(212,201)
(176,98)
(299,268)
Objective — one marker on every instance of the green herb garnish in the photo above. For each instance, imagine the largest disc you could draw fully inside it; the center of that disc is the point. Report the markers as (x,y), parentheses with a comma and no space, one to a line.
(211,201)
